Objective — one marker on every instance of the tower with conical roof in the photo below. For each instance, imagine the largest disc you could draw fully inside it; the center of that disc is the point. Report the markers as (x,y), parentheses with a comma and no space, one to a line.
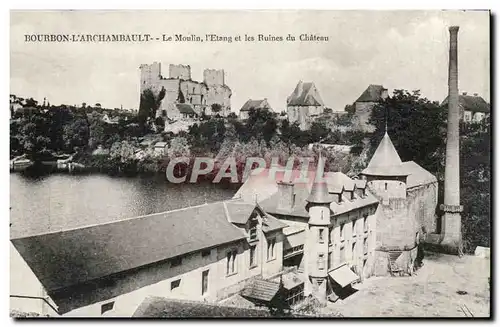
(397,226)
(317,236)
(385,174)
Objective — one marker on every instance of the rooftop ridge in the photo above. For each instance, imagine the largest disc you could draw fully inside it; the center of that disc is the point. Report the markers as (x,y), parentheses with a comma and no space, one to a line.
(126,219)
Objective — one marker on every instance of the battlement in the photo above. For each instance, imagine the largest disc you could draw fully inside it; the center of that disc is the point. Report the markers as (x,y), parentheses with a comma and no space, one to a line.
(179,71)
(213,76)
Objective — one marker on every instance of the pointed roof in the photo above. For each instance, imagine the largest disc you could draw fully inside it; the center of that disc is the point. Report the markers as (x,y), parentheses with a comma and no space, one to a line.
(373,93)
(319,190)
(305,94)
(385,160)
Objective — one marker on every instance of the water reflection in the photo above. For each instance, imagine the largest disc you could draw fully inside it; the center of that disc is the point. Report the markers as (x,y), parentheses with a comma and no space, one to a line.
(55,202)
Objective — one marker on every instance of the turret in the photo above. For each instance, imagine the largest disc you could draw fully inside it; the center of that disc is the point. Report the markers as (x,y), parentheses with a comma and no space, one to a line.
(317,236)
(385,174)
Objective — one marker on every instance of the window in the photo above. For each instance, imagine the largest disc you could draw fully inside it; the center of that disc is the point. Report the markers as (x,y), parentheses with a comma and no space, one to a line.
(204,282)
(271,253)
(365,245)
(176,262)
(175,284)
(354,228)
(253,250)
(330,260)
(386,186)
(321,235)
(353,251)
(321,261)
(342,232)
(107,307)
(253,233)
(230,264)
(330,235)
(205,253)
(365,223)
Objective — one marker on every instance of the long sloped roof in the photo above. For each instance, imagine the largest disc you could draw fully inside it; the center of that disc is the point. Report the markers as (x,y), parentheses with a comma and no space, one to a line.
(373,93)
(308,95)
(72,257)
(256,104)
(471,103)
(185,108)
(417,175)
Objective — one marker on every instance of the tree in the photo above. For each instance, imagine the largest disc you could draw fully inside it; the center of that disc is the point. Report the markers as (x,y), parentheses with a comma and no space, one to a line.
(33,137)
(76,134)
(216,107)
(261,124)
(31,102)
(475,171)
(149,105)
(350,109)
(417,128)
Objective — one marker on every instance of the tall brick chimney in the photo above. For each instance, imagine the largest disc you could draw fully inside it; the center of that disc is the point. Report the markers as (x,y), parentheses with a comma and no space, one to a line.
(451,226)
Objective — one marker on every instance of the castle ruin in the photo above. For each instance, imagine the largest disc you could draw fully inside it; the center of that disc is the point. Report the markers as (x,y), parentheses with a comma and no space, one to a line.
(185,97)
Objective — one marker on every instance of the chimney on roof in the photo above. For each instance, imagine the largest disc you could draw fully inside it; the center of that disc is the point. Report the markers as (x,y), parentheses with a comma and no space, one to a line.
(475,94)
(286,196)
(464,93)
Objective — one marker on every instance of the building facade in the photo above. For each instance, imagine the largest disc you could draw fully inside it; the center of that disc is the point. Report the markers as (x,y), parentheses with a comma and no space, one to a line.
(472,108)
(347,240)
(304,104)
(253,104)
(211,97)
(201,253)
(364,106)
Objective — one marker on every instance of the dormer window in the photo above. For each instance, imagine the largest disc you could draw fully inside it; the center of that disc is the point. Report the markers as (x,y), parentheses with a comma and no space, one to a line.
(253,234)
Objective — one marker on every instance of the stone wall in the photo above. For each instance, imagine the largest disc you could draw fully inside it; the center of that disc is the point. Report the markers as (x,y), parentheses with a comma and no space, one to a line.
(179,71)
(213,77)
(396,228)
(150,75)
(422,202)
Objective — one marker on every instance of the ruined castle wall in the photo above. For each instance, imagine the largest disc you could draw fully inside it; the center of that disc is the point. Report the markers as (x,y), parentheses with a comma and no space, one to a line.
(167,105)
(213,76)
(179,71)
(219,94)
(150,75)
(422,203)
(193,92)
(362,115)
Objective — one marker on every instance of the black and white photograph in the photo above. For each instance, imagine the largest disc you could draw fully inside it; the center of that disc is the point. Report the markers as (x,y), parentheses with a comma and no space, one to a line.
(271,164)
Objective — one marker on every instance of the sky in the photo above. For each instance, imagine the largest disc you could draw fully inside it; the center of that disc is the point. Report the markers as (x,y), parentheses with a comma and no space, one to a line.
(397,49)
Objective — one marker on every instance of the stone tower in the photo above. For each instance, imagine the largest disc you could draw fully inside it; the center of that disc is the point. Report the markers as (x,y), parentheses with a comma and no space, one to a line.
(317,234)
(451,223)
